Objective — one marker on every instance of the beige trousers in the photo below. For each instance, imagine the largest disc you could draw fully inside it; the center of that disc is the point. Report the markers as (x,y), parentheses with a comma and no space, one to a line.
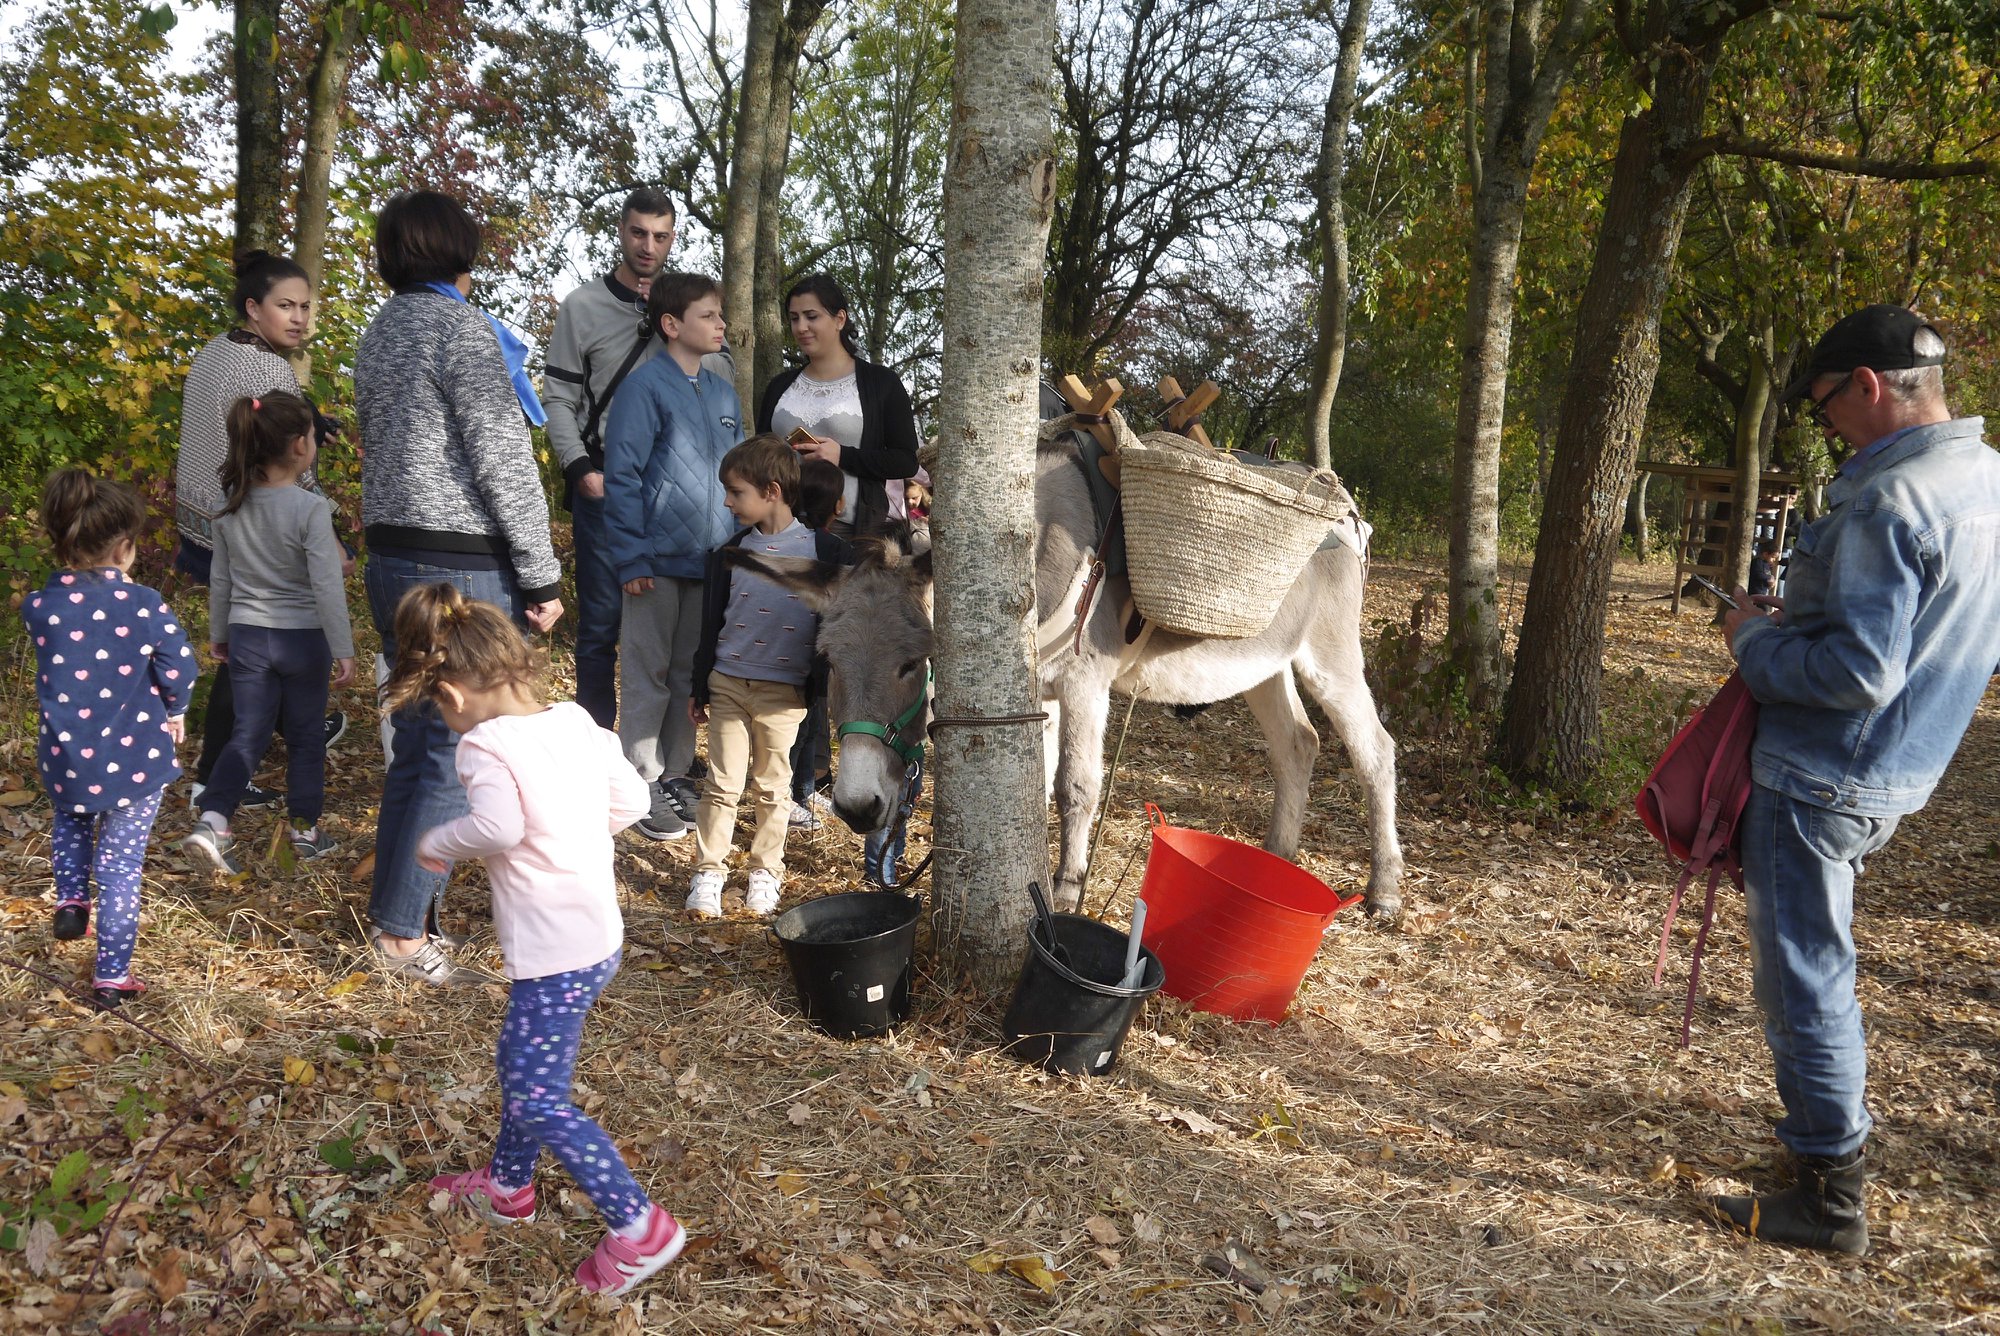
(751,727)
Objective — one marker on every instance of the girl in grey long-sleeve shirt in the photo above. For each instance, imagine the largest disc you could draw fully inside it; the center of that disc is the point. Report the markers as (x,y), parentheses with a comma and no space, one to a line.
(278,617)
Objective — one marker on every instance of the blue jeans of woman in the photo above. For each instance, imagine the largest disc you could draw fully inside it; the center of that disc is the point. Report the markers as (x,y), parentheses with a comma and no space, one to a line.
(1799,866)
(421,788)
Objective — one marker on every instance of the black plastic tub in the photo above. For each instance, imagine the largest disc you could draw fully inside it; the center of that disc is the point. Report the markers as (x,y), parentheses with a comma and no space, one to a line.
(851,959)
(1074,1018)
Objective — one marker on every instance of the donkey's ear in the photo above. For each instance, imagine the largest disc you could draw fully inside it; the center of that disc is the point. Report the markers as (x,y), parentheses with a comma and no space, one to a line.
(811,580)
(920,567)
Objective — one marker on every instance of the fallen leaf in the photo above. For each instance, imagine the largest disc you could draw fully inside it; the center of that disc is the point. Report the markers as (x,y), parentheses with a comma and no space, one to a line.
(860,1266)
(1145,1228)
(1108,1256)
(1103,1230)
(12,1109)
(298,1071)
(1031,1267)
(98,1045)
(349,984)
(168,1278)
(1191,1120)
(365,868)
(789,1183)
(17,798)
(798,1115)
(40,1247)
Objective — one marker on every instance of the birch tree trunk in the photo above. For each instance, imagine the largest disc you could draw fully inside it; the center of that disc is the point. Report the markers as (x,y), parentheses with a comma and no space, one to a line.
(1514,111)
(991,820)
(748,164)
(260,128)
(1550,729)
(1329,187)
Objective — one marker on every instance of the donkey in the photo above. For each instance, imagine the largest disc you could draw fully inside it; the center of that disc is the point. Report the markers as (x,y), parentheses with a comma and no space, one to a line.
(875,629)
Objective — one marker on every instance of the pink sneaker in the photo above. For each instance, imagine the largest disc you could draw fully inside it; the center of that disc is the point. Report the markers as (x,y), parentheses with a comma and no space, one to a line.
(479,1194)
(620,1264)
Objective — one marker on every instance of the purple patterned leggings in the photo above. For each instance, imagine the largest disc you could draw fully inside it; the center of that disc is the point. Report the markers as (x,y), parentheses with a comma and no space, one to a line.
(536,1059)
(114,845)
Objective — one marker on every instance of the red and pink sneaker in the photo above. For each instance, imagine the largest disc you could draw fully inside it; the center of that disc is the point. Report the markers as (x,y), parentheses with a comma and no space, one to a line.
(478,1193)
(620,1264)
(111,994)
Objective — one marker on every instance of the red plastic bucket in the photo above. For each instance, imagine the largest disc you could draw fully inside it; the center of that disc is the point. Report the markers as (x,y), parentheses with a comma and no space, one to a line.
(1235,927)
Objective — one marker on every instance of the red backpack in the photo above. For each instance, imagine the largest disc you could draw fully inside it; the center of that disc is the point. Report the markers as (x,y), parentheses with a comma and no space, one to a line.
(1693,801)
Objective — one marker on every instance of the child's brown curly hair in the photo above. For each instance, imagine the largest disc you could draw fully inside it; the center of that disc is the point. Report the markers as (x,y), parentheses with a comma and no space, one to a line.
(442,635)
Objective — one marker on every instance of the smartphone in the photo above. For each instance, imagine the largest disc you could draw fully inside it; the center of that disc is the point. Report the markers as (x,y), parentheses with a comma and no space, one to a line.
(1715,589)
(799,436)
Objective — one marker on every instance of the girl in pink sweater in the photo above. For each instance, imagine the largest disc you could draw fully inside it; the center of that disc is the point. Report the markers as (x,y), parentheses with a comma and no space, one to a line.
(548,789)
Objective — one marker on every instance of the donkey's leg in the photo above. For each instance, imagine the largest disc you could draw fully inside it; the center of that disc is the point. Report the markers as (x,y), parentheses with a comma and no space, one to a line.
(1333,674)
(1079,775)
(1051,747)
(1293,744)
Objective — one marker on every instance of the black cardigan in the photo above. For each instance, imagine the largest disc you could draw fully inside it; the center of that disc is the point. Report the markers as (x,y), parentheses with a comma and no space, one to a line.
(715,607)
(888,446)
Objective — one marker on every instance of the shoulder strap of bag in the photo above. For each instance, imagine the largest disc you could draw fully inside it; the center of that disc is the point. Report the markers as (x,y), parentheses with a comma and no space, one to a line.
(598,406)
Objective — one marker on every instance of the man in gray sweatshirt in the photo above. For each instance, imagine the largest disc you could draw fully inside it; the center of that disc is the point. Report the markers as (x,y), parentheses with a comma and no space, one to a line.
(601,336)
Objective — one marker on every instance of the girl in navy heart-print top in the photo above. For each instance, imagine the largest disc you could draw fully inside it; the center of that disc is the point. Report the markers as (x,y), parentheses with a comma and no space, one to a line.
(114,676)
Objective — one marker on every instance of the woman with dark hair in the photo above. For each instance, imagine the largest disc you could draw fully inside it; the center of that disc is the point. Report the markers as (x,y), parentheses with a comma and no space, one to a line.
(857,413)
(273,304)
(451,493)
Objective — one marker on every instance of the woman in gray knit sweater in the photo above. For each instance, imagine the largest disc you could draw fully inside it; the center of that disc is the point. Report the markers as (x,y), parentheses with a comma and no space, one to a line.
(450,492)
(273,302)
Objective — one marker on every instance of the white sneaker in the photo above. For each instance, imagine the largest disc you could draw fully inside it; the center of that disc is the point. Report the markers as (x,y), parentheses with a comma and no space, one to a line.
(762,898)
(705,895)
(803,817)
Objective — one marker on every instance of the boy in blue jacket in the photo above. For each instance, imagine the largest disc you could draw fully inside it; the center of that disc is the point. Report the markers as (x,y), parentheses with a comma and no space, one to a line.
(665,435)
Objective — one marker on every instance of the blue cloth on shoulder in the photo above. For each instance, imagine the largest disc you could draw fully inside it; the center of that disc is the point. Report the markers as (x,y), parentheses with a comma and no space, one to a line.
(513,348)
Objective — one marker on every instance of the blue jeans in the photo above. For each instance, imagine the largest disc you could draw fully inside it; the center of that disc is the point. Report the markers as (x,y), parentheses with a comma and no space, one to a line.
(600,604)
(281,683)
(1799,866)
(882,850)
(421,788)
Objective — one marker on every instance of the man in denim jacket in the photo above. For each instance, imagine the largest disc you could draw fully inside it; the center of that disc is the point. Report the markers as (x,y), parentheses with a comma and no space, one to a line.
(1866,674)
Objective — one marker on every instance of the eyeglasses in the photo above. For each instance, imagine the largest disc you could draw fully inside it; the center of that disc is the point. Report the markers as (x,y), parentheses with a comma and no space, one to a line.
(1818,411)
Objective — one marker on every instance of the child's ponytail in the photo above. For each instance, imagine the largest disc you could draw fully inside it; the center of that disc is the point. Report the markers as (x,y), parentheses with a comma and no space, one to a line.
(86,516)
(443,635)
(261,430)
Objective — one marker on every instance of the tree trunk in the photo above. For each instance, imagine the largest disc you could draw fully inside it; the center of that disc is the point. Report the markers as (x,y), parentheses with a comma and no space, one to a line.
(1635,518)
(991,824)
(326,93)
(1550,732)
(770,316)
(1514,110)
(1484,343)
(260,128)
(1750,413)
(749,166)
(1329,185)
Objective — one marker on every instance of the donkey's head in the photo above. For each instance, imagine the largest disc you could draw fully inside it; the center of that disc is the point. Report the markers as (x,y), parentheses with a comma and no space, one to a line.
(875,630)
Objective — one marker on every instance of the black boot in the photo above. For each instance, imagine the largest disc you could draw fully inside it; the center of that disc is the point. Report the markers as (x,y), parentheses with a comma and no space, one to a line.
(72,921)
(1822,1210)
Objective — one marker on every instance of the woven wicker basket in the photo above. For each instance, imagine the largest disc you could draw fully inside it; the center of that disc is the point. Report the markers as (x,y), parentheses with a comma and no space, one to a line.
(1215,544)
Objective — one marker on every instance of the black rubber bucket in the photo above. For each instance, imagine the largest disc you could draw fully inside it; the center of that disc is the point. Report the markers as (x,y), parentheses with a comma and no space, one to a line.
(1074,1018)
(850,958)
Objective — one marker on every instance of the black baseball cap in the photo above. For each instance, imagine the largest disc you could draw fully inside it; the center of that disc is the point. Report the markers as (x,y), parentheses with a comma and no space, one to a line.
(1881,337)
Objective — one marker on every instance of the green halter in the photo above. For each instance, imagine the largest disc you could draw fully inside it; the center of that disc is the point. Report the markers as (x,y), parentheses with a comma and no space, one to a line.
(891,734)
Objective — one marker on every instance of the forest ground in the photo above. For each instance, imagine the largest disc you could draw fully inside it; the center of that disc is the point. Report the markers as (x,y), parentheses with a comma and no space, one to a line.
(1476,1121)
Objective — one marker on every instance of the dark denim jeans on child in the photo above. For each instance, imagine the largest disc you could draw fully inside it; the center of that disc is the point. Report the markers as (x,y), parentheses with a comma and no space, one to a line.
(421,788)
(281,677)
